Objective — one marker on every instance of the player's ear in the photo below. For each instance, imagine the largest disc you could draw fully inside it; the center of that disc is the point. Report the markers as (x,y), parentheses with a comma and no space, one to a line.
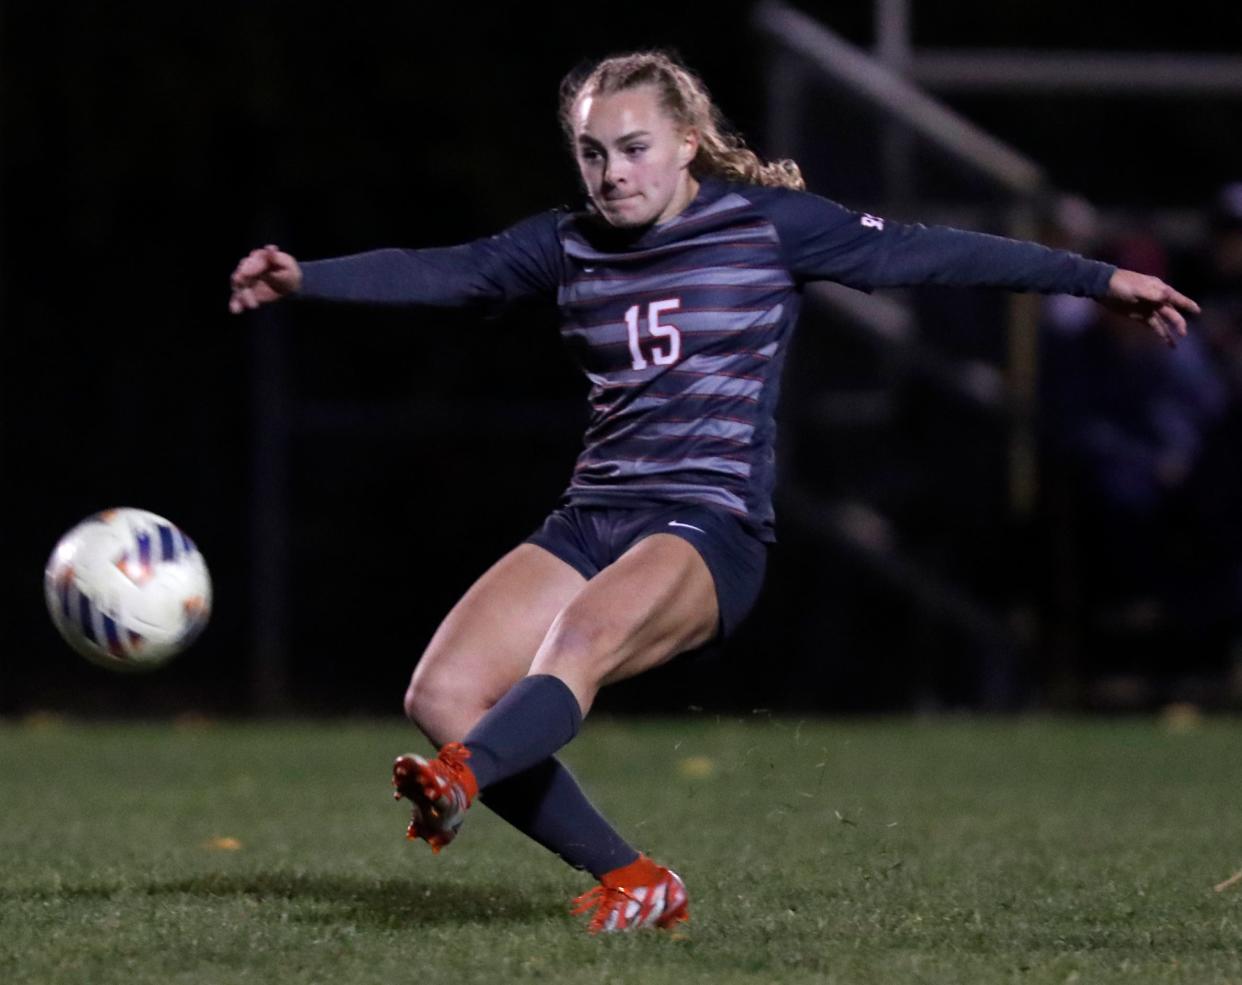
(689,146)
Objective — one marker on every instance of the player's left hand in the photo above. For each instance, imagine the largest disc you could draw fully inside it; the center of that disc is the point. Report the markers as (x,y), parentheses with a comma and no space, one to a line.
(1151,301)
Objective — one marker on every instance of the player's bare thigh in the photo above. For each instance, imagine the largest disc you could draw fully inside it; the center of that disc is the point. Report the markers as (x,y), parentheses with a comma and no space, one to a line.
(488,640)
(655,601)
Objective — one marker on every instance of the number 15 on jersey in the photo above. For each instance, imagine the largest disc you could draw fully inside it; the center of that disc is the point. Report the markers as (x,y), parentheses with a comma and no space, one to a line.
(664,352)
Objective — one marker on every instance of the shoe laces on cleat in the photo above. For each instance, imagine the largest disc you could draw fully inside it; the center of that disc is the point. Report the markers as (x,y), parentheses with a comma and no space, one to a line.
(439,789)
(452,764)
(641,894)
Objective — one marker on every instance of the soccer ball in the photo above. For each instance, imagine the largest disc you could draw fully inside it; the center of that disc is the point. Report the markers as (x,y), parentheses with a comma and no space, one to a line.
(127,589)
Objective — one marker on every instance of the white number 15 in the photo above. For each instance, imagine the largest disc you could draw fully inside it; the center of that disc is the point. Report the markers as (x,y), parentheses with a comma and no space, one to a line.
(660,355)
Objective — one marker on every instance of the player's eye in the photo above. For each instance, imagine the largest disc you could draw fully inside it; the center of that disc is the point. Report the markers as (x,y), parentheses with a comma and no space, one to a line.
(635,149)
(589,154)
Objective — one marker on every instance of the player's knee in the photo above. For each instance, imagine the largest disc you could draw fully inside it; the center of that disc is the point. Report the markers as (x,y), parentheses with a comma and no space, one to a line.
(580,640)
(443,710)
(414,702)
(427,706)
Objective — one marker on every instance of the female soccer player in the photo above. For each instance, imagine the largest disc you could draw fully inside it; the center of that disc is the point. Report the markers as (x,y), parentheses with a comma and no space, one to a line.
(679,283)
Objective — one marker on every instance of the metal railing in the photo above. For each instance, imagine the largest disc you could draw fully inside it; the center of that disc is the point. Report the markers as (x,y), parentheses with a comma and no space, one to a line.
(805,58)
(804,52)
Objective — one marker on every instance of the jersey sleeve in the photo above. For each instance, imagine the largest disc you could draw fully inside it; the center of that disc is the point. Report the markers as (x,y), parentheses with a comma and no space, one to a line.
(523,261)
(826,241)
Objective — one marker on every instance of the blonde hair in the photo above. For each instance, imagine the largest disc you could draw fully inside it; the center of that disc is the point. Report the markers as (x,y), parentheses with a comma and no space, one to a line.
(722,152)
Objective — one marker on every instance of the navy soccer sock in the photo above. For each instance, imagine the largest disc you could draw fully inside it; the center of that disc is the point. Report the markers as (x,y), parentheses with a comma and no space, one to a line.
(537,716)
(545,803)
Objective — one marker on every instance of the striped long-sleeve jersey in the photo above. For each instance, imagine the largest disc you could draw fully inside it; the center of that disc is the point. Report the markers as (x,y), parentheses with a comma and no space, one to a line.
(682,327)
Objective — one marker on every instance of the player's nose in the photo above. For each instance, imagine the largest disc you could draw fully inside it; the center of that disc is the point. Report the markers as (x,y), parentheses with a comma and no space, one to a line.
(614,171)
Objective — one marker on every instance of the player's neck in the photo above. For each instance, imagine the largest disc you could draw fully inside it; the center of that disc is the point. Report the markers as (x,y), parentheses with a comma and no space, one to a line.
(681,201)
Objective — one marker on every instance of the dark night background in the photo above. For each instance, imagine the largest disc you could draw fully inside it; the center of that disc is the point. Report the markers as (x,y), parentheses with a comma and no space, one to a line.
(144,149)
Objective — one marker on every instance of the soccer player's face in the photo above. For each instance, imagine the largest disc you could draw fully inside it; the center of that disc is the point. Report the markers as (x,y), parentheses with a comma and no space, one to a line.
(633,157)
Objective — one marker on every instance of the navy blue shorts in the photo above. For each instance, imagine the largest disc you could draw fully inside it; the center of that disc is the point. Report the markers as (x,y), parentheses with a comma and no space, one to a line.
(589,538)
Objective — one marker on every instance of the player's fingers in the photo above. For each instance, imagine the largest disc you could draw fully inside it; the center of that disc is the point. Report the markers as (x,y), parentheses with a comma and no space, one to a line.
(1180,301)
(278,259)
(238,301)
(255,263)
(245,271)
(1167,295)
(1152,319)
(1162,329)
(1173,318)
(248,298)
(1151,289)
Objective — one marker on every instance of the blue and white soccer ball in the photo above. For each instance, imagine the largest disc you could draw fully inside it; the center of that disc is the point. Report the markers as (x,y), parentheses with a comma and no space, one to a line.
(127,589)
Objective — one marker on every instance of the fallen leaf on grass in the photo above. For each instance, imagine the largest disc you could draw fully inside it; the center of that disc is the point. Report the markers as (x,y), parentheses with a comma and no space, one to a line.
(696,767)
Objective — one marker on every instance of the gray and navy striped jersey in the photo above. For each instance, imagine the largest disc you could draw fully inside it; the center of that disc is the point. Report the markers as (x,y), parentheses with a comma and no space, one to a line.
(682,328)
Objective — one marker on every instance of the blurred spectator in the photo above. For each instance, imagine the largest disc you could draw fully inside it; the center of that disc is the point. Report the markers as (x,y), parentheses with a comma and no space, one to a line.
(1216,490)
(1131,413)
(1221,296)
(1135,431)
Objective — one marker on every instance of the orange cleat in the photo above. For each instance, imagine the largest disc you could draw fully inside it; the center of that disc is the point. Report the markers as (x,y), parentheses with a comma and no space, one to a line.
(641,894)
(439,789)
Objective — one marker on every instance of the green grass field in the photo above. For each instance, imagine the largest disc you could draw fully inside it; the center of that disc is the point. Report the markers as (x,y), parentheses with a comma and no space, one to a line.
(950,851)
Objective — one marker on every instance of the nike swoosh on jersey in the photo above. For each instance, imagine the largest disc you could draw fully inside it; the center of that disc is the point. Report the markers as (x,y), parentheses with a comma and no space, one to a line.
(690,526)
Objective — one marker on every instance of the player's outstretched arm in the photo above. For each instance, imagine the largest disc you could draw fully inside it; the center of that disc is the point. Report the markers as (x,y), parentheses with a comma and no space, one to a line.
(1151,301)
(264,275)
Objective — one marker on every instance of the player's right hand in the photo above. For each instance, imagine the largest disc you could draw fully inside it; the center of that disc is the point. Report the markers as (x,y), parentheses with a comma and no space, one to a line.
(264,275)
